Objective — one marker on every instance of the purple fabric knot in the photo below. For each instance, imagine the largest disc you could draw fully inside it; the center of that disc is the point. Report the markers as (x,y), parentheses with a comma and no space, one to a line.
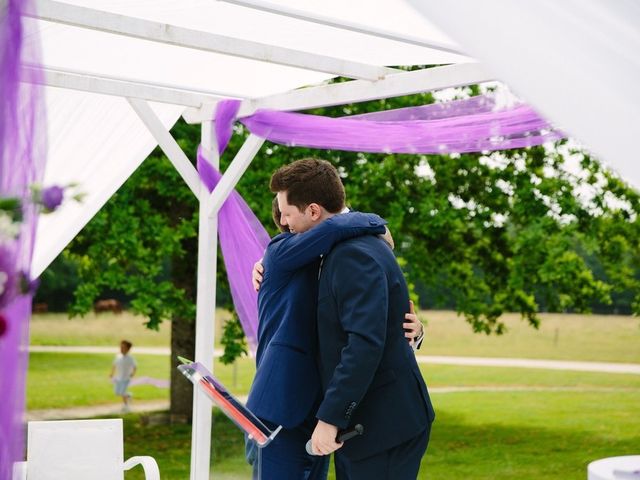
(226,114)
(52,197)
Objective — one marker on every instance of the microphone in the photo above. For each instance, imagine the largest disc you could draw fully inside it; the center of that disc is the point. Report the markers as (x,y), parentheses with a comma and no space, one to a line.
(343,436)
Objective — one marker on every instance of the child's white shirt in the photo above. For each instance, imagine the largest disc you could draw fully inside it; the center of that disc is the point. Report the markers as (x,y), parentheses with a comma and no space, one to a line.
(124,366)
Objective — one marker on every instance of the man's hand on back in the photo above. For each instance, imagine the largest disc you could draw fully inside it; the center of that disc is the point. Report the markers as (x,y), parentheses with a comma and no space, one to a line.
(257,274)
(387,237)
(414,329)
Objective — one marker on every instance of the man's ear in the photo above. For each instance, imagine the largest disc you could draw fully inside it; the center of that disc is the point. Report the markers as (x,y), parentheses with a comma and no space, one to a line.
(316,211)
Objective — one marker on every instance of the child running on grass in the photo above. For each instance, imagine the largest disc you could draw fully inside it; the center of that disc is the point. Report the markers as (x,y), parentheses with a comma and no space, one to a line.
(123,368)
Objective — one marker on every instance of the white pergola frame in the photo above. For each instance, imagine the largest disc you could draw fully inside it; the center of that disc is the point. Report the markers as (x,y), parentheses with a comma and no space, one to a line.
(372,82)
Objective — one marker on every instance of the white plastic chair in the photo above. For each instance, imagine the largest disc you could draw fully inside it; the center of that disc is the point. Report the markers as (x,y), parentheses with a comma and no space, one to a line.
(79,450)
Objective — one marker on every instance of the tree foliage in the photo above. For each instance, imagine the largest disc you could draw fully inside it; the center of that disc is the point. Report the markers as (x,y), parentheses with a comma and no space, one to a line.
(133,244)
(505,232)
(497,233)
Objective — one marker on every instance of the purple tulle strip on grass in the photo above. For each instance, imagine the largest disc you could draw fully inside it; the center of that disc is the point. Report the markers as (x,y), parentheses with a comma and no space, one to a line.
(243,241)
(22,161)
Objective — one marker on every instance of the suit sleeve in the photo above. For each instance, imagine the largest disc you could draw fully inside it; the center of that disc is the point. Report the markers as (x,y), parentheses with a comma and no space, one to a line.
(296,251)
(361,293)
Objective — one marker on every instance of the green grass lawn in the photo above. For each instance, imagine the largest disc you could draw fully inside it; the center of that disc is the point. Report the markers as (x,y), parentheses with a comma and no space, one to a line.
(541,435)
(506,423)
(461,376)
(170,445)
(479,435)
(62,380)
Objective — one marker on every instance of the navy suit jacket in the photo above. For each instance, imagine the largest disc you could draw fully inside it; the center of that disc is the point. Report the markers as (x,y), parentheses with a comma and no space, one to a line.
(286,387)
(369,372)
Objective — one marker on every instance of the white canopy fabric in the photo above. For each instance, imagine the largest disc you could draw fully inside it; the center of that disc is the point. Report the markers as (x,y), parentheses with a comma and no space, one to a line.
(98,140)
(105,58)
(576,61)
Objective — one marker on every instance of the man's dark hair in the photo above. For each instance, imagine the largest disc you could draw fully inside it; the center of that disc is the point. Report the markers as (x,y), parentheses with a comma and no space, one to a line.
(127,344)
(310,180)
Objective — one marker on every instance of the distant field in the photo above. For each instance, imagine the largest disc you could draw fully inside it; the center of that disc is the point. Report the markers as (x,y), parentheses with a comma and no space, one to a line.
(104,329)
(606,338)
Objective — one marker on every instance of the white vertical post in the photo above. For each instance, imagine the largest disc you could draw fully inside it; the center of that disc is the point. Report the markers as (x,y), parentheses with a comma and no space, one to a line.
(205,316)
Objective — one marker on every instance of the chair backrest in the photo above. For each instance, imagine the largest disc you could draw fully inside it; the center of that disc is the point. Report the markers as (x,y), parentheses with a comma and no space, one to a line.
(75,450)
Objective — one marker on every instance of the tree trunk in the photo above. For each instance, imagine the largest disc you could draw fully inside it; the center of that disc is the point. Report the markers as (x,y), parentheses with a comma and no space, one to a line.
(183,335)
(183,343)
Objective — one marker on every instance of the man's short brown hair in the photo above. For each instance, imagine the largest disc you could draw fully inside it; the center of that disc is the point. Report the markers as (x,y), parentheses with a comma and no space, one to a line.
(310,180)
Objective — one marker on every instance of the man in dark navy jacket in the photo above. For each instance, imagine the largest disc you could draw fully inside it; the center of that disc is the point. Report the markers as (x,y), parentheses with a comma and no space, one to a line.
(286,387)
(368,371)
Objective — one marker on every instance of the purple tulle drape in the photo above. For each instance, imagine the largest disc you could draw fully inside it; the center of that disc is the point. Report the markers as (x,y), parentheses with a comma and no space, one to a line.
(475,124)
(22,161)
(243,241)
(471,125)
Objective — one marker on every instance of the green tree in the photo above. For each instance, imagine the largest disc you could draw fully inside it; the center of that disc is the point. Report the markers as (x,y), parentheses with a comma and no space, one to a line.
(499,232)
(495,233)
(143,243)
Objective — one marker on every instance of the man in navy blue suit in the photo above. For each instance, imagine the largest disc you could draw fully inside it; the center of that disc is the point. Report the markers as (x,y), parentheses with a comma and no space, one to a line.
(368,371)
(286,387)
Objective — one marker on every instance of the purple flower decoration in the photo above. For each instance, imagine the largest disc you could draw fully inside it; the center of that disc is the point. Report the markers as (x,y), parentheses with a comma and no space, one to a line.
(7,277)
(52,197)
(3,324)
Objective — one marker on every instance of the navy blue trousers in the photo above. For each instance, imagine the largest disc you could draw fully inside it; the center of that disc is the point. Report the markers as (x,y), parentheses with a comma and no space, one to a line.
(401,462)
(285,458)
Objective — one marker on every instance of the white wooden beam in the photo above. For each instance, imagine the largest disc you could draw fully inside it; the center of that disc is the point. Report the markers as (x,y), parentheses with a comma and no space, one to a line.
(205,316)
(121,87)
(342,24)
(406,83)
(168,145)
(237,167)
(83,17)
